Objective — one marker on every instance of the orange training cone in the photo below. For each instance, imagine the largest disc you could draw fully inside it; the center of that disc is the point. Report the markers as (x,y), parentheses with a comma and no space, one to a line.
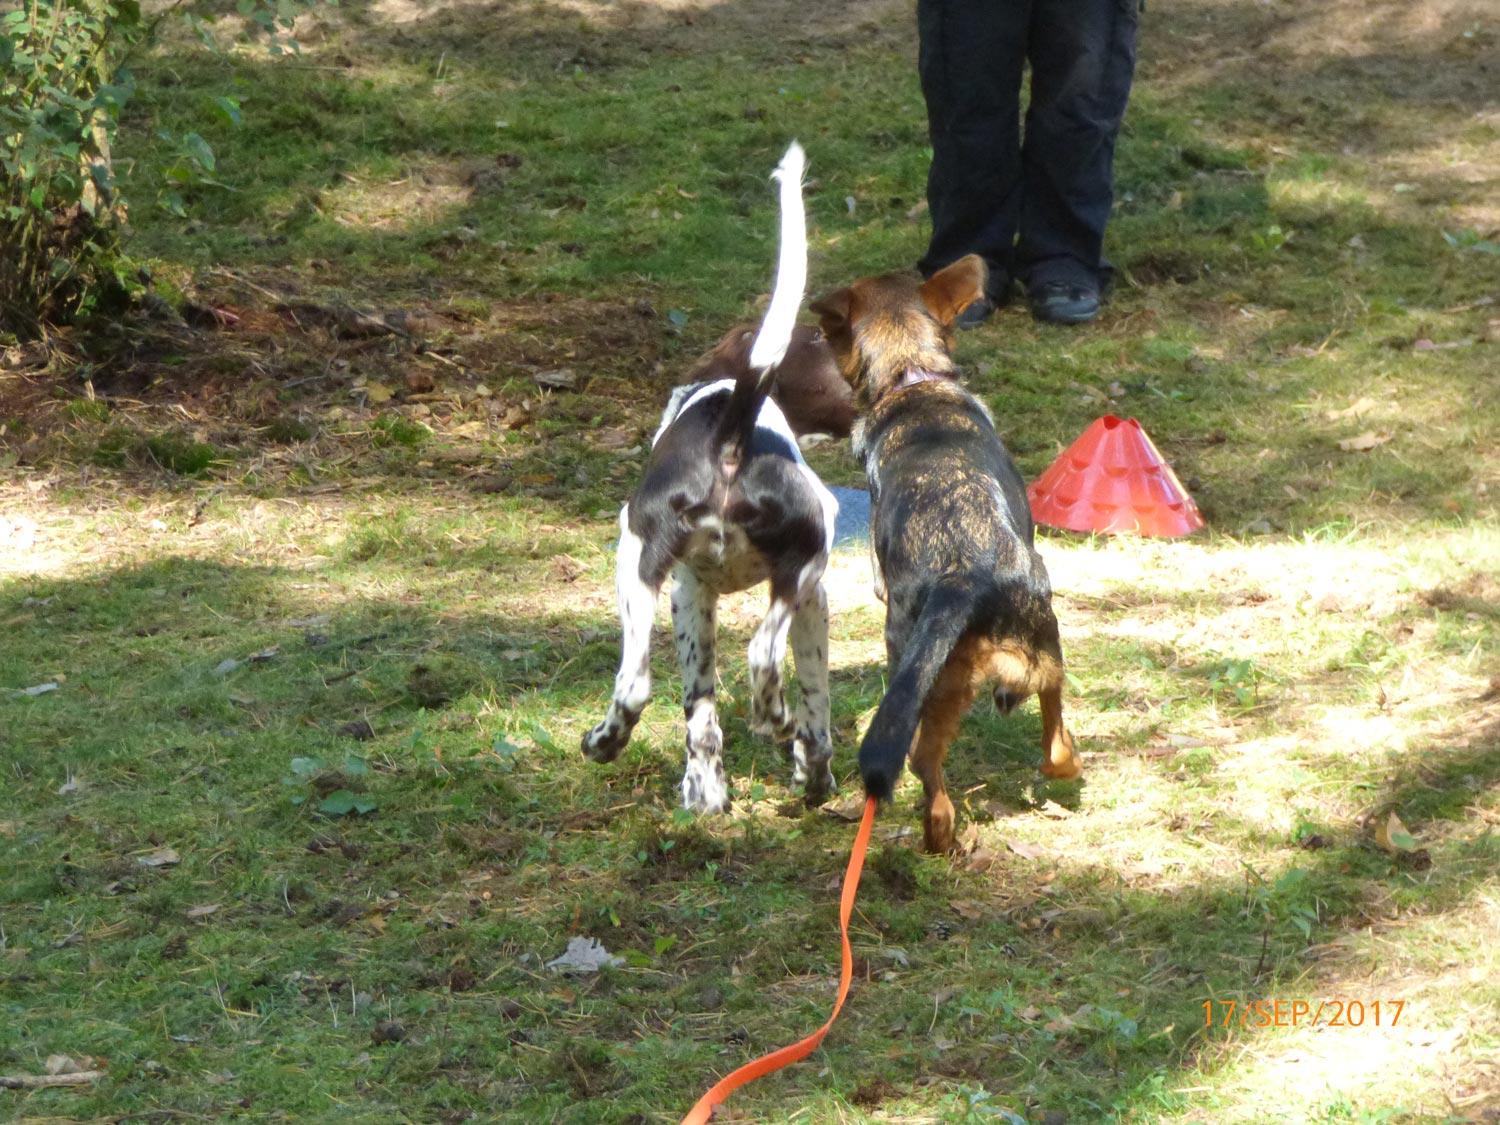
(1112,480)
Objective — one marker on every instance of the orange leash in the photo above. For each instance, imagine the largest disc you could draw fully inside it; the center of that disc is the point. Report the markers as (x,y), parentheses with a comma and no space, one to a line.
(759,1068)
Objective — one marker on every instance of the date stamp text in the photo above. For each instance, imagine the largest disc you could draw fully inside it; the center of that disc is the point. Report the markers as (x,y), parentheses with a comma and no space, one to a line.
(1301,1013)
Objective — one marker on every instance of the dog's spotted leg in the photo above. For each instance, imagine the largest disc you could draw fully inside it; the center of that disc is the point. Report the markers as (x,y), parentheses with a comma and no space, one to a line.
(812,748)
(1059,760)
(637,604)
(694,627)
(768,713)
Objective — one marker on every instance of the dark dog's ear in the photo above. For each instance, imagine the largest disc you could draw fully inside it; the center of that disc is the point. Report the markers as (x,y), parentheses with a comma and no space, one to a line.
(954,288)
(834,311)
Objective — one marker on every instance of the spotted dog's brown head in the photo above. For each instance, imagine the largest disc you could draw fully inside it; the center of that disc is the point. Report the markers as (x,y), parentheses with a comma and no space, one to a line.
(809,386)
(891,329)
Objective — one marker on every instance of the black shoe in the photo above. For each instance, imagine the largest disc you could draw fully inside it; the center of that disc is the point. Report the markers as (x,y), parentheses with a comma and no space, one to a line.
(975,314)
(1064,302)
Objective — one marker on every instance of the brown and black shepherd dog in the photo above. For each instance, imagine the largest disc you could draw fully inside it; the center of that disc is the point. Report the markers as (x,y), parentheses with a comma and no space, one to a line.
(968,602)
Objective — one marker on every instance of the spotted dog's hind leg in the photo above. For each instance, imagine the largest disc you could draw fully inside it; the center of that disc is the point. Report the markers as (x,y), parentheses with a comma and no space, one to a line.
(637,603)
(812,748)
(693,625)
(768,713)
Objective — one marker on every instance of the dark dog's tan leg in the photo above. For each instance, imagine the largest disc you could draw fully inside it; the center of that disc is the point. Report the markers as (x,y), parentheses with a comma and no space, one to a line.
(946,706)
(1058,759)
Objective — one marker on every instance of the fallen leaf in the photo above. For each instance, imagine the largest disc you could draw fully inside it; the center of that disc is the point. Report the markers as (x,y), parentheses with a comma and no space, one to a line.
(981,859)
(1394,837)
(377,392)
(66,1064)
(852,809)
(342,802)
(1364,442)
(161,857)
(1051,808)
(585,955)
(613,438)
(1354,410)
(203,911)
(969,911)
(562,378)
(1025,850)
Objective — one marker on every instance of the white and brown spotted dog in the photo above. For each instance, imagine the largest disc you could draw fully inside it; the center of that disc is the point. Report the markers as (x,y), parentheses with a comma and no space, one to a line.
(727,502)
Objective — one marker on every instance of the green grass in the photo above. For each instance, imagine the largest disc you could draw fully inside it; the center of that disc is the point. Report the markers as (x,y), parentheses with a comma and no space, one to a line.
(269,593)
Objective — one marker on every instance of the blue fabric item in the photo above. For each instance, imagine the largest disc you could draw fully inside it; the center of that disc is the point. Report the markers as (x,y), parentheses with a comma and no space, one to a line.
(852,528)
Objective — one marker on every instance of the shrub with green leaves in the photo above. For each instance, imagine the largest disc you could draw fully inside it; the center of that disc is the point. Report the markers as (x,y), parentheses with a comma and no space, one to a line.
(63,83)
(61,90)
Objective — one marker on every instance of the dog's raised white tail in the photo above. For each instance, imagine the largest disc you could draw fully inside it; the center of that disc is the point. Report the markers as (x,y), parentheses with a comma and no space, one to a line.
(791,267)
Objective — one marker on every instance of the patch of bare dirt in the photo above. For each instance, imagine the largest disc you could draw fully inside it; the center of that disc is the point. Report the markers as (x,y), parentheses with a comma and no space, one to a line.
(1435,50)
(250,366)
(600,28)
(1415,87)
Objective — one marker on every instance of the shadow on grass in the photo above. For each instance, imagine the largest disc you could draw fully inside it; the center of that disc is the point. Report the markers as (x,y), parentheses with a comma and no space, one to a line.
(1013,980)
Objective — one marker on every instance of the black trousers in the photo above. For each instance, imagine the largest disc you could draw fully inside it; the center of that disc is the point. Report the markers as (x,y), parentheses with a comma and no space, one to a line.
(1034,206)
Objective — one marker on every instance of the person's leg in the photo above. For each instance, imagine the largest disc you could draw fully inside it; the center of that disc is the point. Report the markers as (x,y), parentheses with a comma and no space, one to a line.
(972,53)
(1082,55)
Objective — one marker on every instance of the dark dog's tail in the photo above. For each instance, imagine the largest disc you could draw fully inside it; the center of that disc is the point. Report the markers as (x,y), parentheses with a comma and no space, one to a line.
(950,609)
(737,424)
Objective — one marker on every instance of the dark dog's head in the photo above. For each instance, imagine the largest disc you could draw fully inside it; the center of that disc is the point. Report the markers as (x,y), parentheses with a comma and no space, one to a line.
(887,329)
(809,387)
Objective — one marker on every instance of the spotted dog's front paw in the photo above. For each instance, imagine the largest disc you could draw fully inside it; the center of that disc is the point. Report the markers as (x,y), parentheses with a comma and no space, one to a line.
(703,786)
(604,742)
